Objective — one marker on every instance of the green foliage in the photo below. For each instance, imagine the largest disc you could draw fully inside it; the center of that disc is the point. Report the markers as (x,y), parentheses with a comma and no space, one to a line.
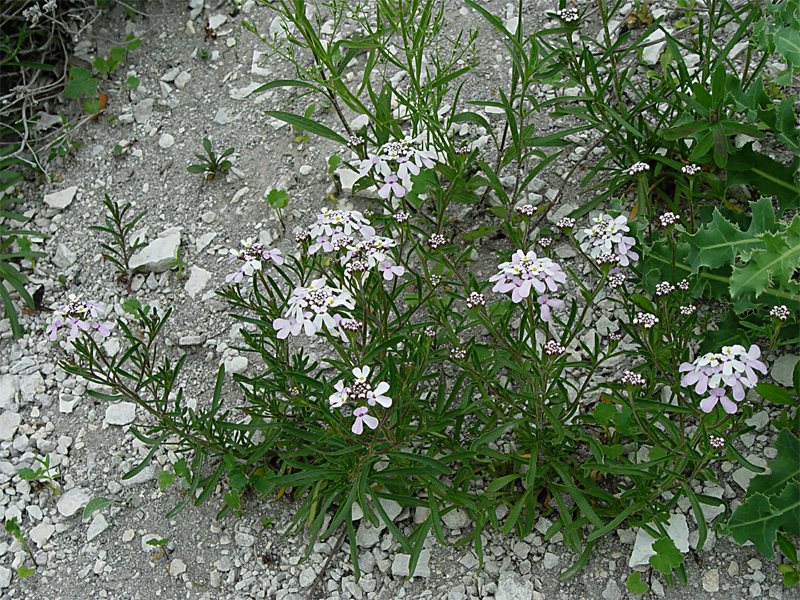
(667,556)
(121,248)
(13,528)
(41,473)
(765,254)
(779,30)
(635,585)
(772,502)
(94,505)
(211,164)
(12,249)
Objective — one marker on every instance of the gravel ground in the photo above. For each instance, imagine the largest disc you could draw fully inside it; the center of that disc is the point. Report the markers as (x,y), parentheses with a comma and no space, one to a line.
(181,100)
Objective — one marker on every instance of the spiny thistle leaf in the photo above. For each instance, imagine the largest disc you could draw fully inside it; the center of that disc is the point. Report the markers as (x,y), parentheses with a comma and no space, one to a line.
(719,242)
(783,469)
(775,261)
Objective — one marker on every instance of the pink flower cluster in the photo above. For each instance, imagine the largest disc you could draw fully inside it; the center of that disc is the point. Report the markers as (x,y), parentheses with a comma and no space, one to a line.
(77,316)
(526,272)
(734,367)
(310,310)
(334,231)
(358,392)
(394,164)
(607,235)
(253,255)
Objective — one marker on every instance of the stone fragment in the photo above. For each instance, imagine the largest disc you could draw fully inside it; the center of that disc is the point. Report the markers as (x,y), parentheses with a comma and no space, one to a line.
(121,413)
(9,421)
(170,75)
(177,567)
(401,562)
(158,255)
(511,586)
(307,577)
(143,111)
(182,79)
(98,526)
(72,501)
(242,93)
(64,257)
(742,476)
(612,591)
(5,577)
(204,240)
(367,535)
(166,141)
(245,540)
(677,529)
(143,476)
(41,533)
(61,199)
(550,560)
(456,519)
(197,281)
(256,67)
(783,368)
(236,364)
(29,386)
(224,564)
(9,385)
(224,117)
(216,21)
(656,42)
(711,580)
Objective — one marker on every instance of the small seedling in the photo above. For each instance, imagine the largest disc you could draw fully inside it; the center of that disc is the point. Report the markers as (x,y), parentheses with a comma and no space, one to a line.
(41,474)
(120,250)
(13,528)
(178,264)
(159,544)
(268,523)
(202,54)
(212,164)
(278,200)
(301,135)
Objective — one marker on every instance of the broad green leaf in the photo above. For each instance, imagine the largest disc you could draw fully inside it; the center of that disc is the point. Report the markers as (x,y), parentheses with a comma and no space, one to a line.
(27,474)
(165,478)
(635,585)
(232,499)
(479,232)
(757,519)
(24,571)
(783,469)
(774,394)
(278,199)
(81,82)
(304,124)
(787,42)
(747,167)
(772,265)
(667,556)
(95,504)
(131,306)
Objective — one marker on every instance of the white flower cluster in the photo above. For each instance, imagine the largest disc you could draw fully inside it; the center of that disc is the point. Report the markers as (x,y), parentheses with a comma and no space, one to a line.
(358,392)
(311,310)
(334,231)
(34,13)
(253,255)
(607,235)
(734,367)
(526,272)
(395,163)
(77,315)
